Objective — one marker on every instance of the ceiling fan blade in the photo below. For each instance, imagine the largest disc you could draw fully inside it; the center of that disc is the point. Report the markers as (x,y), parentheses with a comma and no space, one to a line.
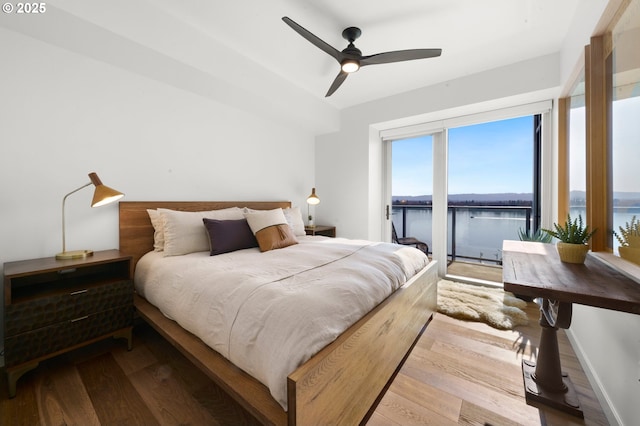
(340,78)
(399,56)
(316,41)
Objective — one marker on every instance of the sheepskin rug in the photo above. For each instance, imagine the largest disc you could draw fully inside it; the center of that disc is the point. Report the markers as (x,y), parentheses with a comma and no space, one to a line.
(494,306)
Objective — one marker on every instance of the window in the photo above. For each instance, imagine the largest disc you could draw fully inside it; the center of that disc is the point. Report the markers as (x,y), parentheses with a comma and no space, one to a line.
(625,122)
(603,110)
(577,153)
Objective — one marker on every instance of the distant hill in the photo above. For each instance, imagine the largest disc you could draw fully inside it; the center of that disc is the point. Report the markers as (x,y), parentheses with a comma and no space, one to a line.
(620,198)
(616,195)
(500,197)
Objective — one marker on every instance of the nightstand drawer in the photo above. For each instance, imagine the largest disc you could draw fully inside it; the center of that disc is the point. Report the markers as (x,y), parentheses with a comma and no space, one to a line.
(27,346)
(37,313)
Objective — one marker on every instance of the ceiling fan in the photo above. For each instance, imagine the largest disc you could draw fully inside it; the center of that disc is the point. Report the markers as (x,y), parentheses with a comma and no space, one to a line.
(351,59)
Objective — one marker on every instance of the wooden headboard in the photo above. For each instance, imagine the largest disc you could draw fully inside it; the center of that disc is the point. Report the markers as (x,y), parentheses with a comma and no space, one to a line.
(136,231)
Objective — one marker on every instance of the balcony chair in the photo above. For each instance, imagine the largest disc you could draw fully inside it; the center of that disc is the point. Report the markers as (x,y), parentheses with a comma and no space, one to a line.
(408,241)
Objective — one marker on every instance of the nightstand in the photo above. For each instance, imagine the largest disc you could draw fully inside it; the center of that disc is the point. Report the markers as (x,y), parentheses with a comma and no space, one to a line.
(327,231)
(54,306)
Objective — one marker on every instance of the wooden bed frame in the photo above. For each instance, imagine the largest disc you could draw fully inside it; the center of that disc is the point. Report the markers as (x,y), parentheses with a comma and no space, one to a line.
(340,384)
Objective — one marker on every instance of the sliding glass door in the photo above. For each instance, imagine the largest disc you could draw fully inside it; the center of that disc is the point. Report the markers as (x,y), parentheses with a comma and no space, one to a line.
(491,187)
(465,184)
(412,187)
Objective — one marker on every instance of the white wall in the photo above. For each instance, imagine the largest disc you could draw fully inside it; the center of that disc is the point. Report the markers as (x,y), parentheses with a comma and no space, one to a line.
(63,115)
(608,344)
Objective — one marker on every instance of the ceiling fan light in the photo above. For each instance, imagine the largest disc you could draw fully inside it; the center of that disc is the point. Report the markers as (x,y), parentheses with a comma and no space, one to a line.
(350,65)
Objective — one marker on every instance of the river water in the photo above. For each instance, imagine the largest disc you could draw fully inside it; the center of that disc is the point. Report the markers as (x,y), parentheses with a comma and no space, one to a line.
(479,232)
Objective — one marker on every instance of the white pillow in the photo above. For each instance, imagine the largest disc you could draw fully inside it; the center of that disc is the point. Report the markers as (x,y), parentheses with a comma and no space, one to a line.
(158,229)
(260,219)
(184,232)
(294,218)
(293,215)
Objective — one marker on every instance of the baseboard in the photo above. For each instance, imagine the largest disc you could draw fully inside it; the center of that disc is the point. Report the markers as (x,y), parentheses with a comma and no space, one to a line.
(596,384)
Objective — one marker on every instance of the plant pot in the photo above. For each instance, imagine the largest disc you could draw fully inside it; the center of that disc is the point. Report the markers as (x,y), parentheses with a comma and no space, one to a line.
(632,254)
(634,241)
(572,253)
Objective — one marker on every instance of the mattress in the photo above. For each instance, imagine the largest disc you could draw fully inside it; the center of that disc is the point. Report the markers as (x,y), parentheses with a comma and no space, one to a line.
(269,312)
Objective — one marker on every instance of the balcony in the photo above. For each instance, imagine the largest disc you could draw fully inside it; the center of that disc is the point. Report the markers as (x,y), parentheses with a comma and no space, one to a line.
(475,233)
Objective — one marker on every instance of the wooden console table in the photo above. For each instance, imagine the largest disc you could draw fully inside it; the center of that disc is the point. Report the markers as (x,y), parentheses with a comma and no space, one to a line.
(535,270)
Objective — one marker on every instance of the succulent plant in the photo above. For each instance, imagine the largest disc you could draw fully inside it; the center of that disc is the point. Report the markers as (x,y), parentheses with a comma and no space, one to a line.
(630,230)
(572,232)
(538,236)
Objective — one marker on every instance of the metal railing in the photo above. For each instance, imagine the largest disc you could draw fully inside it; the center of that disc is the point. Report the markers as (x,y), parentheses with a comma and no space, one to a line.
(454,210)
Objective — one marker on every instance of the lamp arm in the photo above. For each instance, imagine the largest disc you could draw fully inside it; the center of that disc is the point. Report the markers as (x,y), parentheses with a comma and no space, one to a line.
(64,249)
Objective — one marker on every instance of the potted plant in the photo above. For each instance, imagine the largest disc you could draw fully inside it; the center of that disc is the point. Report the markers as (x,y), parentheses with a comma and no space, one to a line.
(538,236)
(573,237)
(629,239)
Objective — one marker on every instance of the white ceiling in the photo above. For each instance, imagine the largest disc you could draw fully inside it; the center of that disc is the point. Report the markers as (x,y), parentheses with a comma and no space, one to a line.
(474,35)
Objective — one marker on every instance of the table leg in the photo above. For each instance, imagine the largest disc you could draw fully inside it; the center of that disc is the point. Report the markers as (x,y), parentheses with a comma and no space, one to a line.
(544,381)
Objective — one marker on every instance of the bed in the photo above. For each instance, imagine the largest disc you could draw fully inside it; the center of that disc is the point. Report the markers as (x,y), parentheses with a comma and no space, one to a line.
(337,385)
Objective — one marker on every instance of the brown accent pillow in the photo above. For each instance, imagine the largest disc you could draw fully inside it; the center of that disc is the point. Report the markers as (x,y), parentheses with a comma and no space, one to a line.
(275,237)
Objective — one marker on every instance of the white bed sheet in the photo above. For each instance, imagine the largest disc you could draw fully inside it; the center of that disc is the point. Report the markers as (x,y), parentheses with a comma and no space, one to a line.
(270,312)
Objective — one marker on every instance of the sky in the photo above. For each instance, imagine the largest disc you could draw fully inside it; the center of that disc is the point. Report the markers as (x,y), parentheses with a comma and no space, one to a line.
(494,157)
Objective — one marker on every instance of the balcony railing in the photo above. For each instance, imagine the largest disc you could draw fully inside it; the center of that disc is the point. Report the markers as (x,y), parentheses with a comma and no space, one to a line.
(475,233)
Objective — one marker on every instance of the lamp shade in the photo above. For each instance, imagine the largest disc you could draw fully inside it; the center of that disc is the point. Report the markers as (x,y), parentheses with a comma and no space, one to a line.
(103,194)
(313,198)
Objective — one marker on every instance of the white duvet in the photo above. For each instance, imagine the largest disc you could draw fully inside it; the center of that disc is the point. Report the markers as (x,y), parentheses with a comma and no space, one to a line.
(270,312)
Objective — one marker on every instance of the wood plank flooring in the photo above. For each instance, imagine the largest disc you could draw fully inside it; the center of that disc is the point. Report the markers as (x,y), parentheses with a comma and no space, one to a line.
(469,373)
(458,373)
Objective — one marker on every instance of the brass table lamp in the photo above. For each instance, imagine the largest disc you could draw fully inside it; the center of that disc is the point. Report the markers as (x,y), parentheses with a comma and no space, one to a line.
(102,195)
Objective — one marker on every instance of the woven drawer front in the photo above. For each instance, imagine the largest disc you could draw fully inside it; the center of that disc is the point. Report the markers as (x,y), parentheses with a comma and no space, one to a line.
(36,313)
(43,341)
